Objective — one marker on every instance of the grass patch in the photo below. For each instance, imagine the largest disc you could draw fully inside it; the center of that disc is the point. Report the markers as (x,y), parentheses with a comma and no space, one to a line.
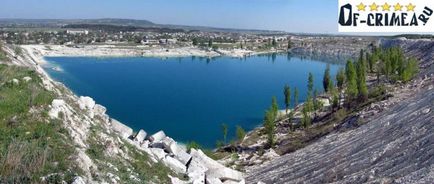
(139,163)
(31,145)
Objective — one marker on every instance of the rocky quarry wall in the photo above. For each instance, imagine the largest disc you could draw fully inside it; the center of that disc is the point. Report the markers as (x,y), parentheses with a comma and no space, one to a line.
(160,147)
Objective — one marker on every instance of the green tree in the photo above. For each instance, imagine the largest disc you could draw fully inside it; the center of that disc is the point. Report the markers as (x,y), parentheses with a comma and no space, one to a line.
(225,132)
(327,81)
(361,79)
(340,78)
(274,106)
(316,103)
(352,90)
(274,43)
(410,70)
(387,65)
(210,43)
(335,100)
(310,84)
(306,119)
(195,41)
(372,60)
(290,117)
(289,44)
(241,133)
(269,126)
(295,96)
(287,93)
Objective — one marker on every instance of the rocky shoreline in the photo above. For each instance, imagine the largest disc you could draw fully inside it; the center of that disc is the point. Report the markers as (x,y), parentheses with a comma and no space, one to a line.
(161,148)
(80,114)
(41,51)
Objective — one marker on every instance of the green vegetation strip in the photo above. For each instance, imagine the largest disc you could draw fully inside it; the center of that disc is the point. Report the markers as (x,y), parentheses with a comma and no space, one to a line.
(31,145)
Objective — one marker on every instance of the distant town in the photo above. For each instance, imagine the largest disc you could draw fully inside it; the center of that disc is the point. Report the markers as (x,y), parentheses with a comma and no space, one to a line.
(146,35)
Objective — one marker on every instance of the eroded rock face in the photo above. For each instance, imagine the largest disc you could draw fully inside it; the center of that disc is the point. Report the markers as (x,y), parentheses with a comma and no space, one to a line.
(56,107)
(86,102)
(396,147)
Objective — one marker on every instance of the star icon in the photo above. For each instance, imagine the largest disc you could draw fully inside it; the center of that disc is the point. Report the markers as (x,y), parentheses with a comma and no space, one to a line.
(398,7)
(386,7)
(374,7)
(361,7)
(410,7)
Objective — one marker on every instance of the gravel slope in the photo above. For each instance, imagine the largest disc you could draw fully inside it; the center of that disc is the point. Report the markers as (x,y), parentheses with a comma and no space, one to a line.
(395,147)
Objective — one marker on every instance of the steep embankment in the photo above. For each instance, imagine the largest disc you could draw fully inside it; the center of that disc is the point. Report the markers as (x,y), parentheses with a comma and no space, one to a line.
(395,146)
(49,135)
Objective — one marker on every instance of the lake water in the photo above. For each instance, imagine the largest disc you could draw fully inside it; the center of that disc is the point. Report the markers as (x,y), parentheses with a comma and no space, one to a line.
(189,98)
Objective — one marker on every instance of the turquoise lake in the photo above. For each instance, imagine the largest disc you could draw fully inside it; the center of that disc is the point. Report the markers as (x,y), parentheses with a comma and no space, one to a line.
(189,98)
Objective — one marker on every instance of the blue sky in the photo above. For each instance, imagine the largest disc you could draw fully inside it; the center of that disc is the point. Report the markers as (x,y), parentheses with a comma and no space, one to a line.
(306,16)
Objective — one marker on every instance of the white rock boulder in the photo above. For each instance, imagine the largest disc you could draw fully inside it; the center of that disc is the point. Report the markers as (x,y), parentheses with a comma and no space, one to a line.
(86,102)
(204,161)
(210,180)
(170,145)
(183,157)
(174,164)
(56,107)
(160,135)
(197,177)
(78,180)
(140,136)
(99,110)
(324,101)
(15,81)
(123,130)
(158,153)
(225,174)
(27,79)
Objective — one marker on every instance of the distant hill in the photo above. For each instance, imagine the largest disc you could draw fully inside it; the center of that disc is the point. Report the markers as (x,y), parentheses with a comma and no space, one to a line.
(118,28)
(61,23)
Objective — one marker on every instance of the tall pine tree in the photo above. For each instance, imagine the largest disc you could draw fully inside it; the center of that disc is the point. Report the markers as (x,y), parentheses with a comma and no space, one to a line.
(361,78)
(327,81)
(351,91)
(287,94)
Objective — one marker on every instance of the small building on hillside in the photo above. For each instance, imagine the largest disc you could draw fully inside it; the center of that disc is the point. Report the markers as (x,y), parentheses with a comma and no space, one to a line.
(77,32)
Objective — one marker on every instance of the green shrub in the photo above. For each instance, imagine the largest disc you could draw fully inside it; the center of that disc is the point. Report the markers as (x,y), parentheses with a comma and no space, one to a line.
(241,133)
(193,145)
